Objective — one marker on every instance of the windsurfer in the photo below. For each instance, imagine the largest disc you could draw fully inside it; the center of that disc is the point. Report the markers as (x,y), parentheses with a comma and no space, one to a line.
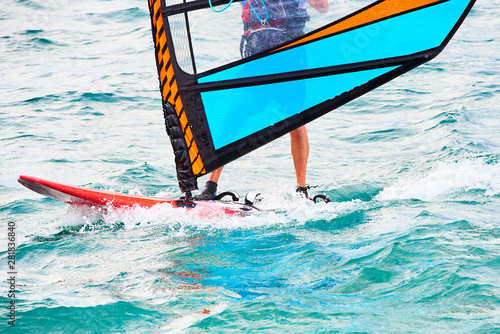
(284,20)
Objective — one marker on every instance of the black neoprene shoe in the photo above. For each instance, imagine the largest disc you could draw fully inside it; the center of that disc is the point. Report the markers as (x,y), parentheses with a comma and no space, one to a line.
(208,193)
(302,191)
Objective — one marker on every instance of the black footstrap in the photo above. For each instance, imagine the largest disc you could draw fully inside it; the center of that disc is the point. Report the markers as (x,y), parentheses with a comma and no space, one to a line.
(234,196)
(320,197)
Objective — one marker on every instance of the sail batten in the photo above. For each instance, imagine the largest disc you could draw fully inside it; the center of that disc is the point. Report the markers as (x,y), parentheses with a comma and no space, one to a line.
(308,73)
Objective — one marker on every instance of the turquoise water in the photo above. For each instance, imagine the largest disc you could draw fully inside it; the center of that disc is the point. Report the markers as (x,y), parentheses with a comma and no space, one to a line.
(410,242)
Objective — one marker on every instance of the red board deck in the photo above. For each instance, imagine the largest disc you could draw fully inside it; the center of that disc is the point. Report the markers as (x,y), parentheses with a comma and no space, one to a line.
(86,196)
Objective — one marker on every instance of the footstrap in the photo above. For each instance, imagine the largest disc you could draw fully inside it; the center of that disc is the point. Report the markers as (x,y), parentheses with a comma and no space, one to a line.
(234,196)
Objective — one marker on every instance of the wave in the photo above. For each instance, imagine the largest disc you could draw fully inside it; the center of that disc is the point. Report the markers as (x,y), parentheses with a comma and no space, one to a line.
(446,178)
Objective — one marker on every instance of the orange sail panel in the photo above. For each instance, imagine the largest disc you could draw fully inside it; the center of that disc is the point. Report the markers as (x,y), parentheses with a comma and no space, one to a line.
(377,12)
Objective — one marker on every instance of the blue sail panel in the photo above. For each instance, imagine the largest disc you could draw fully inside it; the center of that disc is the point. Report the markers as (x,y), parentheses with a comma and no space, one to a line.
(233,114)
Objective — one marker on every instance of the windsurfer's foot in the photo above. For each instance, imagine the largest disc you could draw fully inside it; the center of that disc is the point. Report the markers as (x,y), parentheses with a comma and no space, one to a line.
(208,193)
(302,192)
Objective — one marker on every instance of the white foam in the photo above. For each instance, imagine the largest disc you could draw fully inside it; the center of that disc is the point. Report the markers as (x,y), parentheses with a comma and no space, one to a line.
(446,178)
(284,210)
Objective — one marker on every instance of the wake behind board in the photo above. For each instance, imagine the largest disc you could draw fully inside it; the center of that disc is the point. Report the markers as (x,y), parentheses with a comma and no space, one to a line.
(93,197)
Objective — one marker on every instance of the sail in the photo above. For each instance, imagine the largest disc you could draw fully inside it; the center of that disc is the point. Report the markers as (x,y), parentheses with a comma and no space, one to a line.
(220,107)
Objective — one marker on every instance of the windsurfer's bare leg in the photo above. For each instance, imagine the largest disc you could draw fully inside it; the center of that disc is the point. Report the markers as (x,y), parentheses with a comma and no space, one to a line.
(300,153)
(214,176)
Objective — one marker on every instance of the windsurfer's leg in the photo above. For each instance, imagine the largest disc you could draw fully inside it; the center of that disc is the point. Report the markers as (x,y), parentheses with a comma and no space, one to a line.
(299,143)
(214,176)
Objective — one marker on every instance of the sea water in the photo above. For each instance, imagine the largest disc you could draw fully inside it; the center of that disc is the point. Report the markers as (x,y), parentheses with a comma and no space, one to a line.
(409,243)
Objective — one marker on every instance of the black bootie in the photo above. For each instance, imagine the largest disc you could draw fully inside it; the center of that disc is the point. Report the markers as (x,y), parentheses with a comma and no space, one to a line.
(208,193)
